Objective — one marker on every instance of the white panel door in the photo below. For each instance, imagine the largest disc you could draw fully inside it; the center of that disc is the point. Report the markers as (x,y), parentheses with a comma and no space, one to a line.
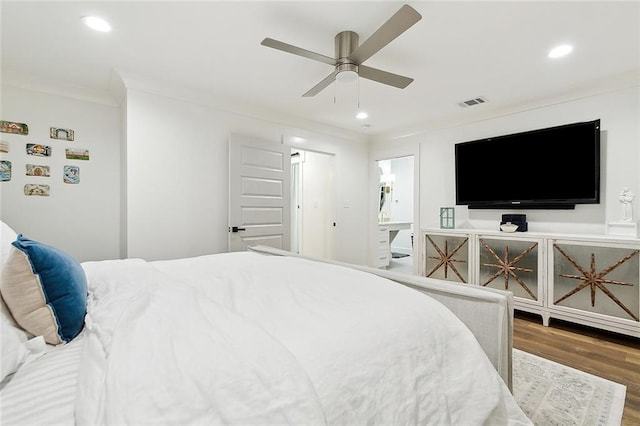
(258,193)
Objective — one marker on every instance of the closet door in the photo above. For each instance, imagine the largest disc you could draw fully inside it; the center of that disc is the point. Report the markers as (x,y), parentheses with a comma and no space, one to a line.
(259,213)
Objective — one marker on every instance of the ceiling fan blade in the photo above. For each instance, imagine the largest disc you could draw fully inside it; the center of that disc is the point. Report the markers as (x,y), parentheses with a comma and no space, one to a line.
(384,77)
(320,86)
(269,42)
(400,22)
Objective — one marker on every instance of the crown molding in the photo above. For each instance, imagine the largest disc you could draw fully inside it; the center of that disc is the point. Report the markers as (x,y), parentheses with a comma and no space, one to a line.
(610,84)
(133,81)
(27,81)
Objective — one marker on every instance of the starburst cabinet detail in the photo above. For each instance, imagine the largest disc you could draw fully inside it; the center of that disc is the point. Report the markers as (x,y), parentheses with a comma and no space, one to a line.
(602,280)
(447,257)
(590,280)
(510,265)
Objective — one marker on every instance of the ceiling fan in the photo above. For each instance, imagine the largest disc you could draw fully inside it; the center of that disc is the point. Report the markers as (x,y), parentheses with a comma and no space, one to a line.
(350,55)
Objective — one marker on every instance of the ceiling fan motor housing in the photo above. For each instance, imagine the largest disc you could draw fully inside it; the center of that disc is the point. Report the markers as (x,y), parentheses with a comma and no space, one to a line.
(346,42)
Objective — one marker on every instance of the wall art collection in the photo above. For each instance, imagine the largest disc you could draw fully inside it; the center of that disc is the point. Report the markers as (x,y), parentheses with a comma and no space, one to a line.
(70,172)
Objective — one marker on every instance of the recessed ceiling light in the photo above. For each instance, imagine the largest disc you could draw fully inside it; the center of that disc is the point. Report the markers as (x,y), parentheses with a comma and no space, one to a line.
(362,115)
(96,23)
(559,51)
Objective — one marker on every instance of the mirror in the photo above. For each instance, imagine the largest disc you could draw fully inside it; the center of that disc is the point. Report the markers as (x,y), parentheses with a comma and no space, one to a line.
(386,181)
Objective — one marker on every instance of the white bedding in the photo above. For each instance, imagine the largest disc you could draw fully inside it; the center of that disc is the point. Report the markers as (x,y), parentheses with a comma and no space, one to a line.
(43,391)
(161,353)
(243,338)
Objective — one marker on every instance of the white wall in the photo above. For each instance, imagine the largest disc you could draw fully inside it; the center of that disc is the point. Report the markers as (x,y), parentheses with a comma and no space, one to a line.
(177,177)
(81,219)
(174,172)
(164,194)
(619,112)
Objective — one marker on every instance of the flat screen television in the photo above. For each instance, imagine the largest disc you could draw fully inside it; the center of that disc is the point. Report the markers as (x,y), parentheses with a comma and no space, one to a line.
(552,168)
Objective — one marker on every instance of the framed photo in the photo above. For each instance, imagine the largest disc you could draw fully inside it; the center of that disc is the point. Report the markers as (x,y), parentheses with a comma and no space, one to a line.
(34,189)
(58,133)
(77,154)
(4,146)
(71,175)
(13,127)
(38,170)
(447,218)
(38,150)
(5,170)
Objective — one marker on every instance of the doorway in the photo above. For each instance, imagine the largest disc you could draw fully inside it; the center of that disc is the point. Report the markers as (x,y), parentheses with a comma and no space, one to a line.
(312,203)
(395,214)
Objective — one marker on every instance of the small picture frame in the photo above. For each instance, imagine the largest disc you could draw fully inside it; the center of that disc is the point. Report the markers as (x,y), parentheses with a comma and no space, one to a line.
(38,150)
(77,154)
(13,127)
(447,218)
(32,189)
(59,133)
(5,170)
(71,175)
(38,170)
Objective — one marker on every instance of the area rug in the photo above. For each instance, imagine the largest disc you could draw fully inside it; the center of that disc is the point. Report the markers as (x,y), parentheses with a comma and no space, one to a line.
(554,394)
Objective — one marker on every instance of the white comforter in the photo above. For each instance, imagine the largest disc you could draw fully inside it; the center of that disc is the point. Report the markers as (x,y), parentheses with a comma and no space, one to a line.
(243,338)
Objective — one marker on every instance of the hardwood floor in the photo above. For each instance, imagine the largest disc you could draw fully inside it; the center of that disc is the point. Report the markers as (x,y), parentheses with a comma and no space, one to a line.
(608,355)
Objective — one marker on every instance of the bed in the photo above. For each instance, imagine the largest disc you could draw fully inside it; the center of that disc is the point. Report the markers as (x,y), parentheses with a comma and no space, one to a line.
(260,337)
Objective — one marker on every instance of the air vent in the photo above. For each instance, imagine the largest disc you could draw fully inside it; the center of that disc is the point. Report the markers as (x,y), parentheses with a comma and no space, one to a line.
(471,102)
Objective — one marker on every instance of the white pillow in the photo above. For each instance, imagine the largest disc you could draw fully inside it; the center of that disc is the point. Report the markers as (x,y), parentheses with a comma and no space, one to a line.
(14,351)
(12,337)
(7,236)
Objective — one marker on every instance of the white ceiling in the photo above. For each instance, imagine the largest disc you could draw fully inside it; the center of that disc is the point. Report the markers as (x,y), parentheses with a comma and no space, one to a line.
(458,51)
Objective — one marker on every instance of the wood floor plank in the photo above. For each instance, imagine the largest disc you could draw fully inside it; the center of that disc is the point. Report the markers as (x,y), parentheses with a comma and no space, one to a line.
(609,355)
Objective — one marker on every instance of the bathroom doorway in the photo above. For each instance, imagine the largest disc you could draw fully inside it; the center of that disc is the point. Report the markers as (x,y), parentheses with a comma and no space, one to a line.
(395,214)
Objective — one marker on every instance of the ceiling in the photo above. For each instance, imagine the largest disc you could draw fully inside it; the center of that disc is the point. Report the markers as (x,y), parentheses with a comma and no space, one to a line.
(458,51)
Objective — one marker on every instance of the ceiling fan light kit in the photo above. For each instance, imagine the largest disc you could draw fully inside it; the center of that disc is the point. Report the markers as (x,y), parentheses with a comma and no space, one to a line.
(349,54)
(347,73)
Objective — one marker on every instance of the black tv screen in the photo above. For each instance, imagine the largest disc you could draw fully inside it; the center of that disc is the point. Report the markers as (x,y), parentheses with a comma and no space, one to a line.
(556,167)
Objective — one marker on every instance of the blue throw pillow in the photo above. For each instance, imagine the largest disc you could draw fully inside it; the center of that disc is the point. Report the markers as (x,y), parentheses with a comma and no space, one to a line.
(45,290)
